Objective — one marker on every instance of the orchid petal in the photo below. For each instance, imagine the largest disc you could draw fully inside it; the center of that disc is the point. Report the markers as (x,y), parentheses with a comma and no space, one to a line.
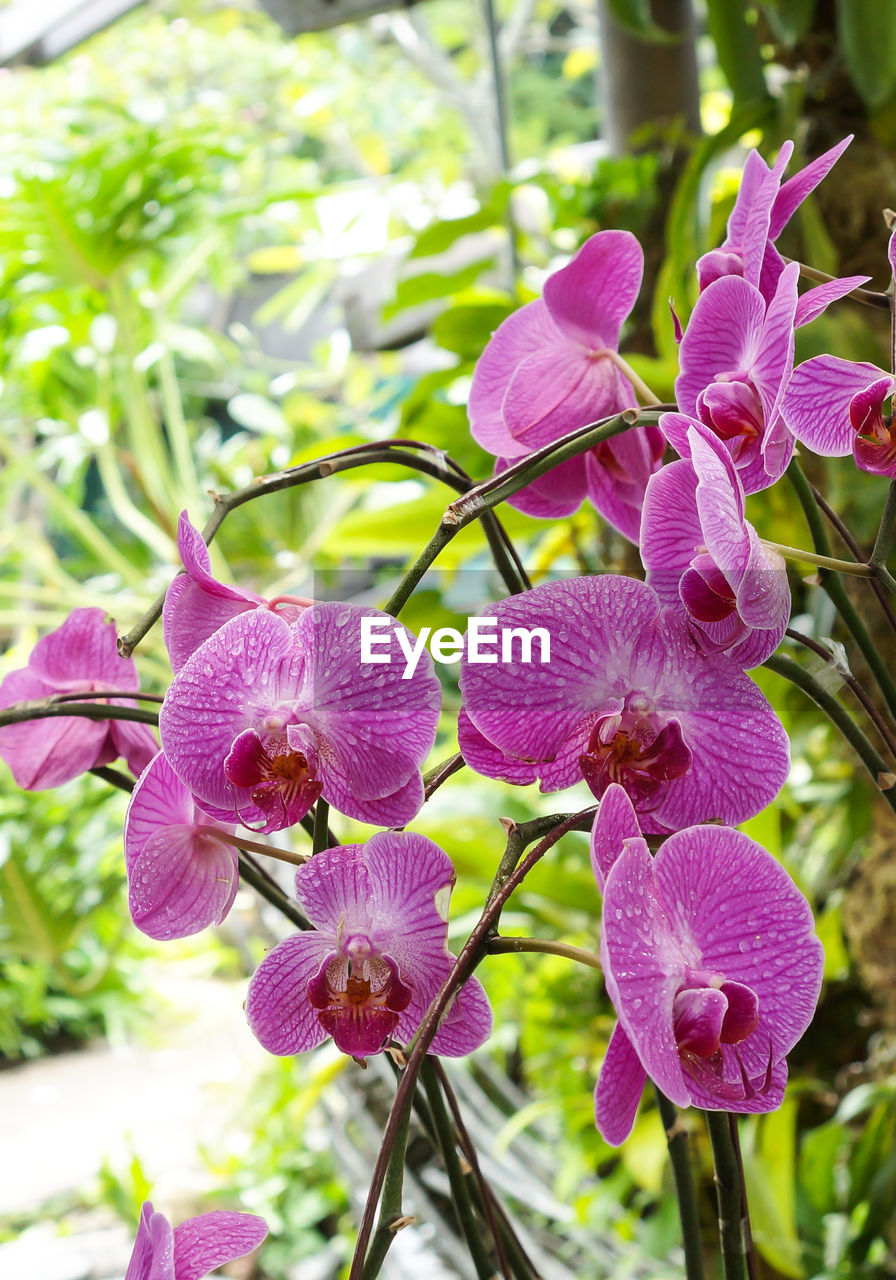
(619,1088)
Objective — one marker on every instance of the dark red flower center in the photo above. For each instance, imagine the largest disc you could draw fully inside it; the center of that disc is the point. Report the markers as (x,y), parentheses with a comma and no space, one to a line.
(639,752)
(732,408)
(359,1002)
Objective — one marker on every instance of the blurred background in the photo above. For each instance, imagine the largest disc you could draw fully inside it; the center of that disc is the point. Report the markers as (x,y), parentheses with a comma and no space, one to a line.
(234,237)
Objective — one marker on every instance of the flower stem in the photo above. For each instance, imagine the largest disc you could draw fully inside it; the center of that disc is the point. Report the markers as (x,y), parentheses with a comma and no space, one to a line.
(407,453)
(858,570)
(463,1205)
(499,945)
(320,838)
(640,386)
(48,709)
(254,846)
(734,1222)
(470,955)
(677,1141)
(836,591)
(391,1218)
(844,675)
(268,888)
(882,777)
(884,537)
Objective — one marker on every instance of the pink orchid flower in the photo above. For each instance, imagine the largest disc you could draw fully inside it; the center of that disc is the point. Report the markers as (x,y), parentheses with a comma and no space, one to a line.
(550,368)
(712,965)
(81,656)
(375,960)
(193,1248)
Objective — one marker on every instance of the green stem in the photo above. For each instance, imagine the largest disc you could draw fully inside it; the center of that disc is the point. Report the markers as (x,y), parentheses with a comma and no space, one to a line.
(254,846)
(544,946)
(46,710)
(835,589)
(677,1142)
(857,570)
(883,778)
(463,1205)
(391,1218)
(470,955)
(176,423)
(320,838)
(268,888)
(884,538)
(733,1215)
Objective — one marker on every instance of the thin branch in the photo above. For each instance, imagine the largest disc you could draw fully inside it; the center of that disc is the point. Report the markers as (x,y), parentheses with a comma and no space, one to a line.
(50,709)
(427,460)
(544,946)
(466,962)
(852,545)
(851,683)
(677,1142)
(441,773)
(883,778)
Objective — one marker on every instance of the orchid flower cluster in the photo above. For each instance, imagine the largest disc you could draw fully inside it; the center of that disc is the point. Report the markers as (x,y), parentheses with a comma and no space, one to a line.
(272,718)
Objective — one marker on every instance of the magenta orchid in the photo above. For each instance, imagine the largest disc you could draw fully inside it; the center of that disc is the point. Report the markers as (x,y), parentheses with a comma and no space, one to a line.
(761,211)
(375,959)
(81,656)
(626,697)
(712,965)
(736,357)
(196,604)
(704,557)
(268,715)
(192,1249)
(182,876)
(550,368)
(836,407)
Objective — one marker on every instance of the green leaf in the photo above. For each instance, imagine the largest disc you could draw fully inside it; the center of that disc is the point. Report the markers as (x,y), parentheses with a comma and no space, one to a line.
(817,1160)
(636,18)
(737,49)
(430,286)
(465,329)
(769,1154)
(440,236)
(867,31)
(790,20)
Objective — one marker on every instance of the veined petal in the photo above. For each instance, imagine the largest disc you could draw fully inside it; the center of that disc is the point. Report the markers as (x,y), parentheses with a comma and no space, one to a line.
(468,1021)
(196,604)
(590,297)
(133,741)
(749,922)
(720,503)
(816,403)
(411,880)
(619,1088)
(159,799)
(154,1237)
(182,881)
(83,653)
(722,336)
(46,753)
(334,890)
(670,528)
(373,728)
(278,1009)
(548,395)
(246,672)
(756,232)
(644,965)
(484,757)
(773,361)
(594,625)
(204,1243)
(814,302)
(522,334)
(560,492)
(795,190)
(614,823)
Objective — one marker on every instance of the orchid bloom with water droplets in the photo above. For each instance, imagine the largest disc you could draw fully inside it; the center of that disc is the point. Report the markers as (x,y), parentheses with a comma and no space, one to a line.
(80,657)
(712,965)
(197,604)
(550,368)
(193,1248)
(375,959)
(628,697)
(182,877)
(268,715)
(703,557)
